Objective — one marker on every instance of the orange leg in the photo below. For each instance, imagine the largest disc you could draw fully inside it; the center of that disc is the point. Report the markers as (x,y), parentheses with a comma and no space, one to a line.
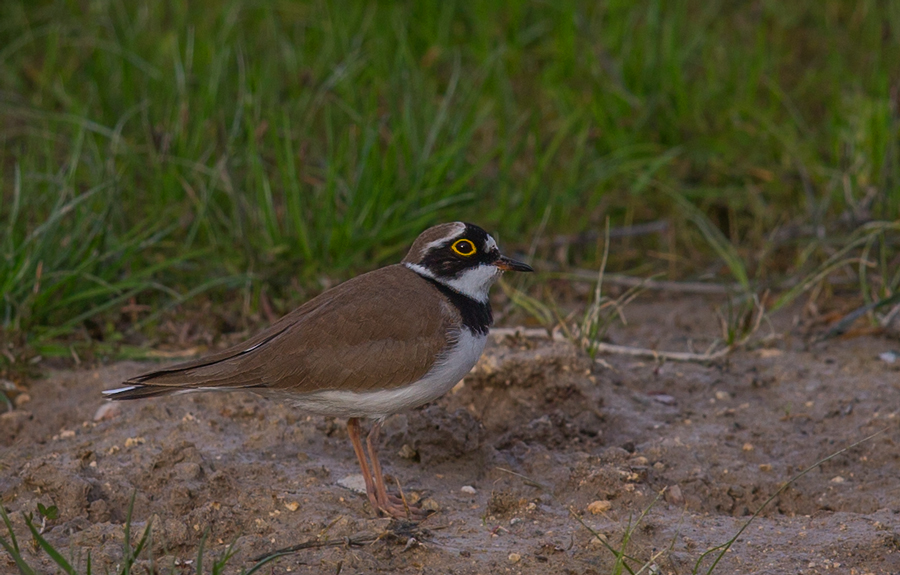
(395,506)
(372,447)
(353,432)
(376,490)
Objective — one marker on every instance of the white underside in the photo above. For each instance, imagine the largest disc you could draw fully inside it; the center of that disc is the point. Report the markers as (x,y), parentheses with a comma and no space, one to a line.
(379,404)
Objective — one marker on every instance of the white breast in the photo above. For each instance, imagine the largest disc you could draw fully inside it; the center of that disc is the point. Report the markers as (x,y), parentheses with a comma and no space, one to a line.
(446,373)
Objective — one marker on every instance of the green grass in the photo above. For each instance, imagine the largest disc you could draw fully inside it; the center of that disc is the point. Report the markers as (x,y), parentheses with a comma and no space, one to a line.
(131,551)
(153,152)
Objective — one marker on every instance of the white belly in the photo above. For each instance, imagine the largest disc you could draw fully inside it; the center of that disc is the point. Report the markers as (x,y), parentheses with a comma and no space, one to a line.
(379,404)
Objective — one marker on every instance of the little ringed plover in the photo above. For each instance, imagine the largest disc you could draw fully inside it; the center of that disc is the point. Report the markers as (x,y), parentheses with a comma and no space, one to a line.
(383,342)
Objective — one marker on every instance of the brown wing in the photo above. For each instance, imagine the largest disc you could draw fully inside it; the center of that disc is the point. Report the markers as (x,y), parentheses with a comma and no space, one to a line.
(380,330)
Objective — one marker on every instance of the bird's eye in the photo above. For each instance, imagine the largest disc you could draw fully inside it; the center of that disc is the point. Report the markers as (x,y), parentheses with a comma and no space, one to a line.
(463,247)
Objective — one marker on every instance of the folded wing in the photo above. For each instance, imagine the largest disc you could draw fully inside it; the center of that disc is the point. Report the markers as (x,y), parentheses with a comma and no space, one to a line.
(381,330)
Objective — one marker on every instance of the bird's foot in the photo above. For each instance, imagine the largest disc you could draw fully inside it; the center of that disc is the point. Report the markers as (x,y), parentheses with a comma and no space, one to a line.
(399,508)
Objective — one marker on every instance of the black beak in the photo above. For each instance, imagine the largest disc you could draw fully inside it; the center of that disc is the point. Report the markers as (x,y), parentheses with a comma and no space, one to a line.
(509,265)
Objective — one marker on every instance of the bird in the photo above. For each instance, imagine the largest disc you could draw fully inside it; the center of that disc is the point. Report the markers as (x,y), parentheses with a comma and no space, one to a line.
(383,342)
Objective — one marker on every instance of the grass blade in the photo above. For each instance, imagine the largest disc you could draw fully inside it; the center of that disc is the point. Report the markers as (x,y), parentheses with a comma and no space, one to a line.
(12,546)
(55,555)
(723,549)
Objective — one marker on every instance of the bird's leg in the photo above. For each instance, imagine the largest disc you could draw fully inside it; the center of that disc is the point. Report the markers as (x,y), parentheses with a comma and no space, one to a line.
(395,506)
(353,432)
(372,446)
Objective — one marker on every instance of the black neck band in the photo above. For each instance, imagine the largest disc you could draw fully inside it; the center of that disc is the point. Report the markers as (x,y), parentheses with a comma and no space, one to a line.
(475,315)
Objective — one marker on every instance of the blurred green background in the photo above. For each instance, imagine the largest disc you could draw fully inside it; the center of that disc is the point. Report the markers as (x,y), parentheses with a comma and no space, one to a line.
(157,154)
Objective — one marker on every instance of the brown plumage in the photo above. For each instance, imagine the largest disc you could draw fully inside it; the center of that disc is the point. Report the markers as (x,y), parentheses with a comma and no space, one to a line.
(328,344)
(385,341)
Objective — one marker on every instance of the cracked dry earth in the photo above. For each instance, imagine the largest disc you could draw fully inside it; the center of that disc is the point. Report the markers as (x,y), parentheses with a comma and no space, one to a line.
(538,431)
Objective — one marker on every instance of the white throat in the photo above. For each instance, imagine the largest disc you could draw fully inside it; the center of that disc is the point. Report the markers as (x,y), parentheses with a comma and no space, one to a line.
(474,283)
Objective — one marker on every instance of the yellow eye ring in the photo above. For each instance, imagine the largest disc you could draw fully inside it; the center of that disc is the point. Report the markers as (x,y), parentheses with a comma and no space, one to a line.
(464,247)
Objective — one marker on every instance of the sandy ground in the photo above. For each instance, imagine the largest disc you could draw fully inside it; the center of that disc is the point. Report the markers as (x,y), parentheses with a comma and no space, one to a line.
(536,433)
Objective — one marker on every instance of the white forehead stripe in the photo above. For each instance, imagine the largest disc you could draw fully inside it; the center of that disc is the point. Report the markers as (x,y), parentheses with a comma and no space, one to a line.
(458,229)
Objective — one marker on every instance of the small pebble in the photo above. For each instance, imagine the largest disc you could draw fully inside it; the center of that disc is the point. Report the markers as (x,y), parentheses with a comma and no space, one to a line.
(22,399)
(468,490)
(663,398)
(765,467)
(407,452)
(674,495)
(723,395)
(514,557)
(837,479)
(132,441)
(292,505)
(748,447)
(769,352)
(599,506)
(354,483)
(430,504)
(888,357)
(107,410)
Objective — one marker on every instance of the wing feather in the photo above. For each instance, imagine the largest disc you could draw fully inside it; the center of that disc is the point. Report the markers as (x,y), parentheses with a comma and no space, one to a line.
(380,330)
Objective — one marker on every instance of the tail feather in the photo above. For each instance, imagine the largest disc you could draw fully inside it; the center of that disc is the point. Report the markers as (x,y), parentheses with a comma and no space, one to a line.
(141,391)
(218,372)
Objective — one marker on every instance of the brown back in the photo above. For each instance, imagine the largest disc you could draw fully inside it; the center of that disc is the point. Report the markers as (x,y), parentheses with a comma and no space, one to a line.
(380,330)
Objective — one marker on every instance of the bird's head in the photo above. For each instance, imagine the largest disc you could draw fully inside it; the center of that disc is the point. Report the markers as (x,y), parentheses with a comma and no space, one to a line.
(461,256)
